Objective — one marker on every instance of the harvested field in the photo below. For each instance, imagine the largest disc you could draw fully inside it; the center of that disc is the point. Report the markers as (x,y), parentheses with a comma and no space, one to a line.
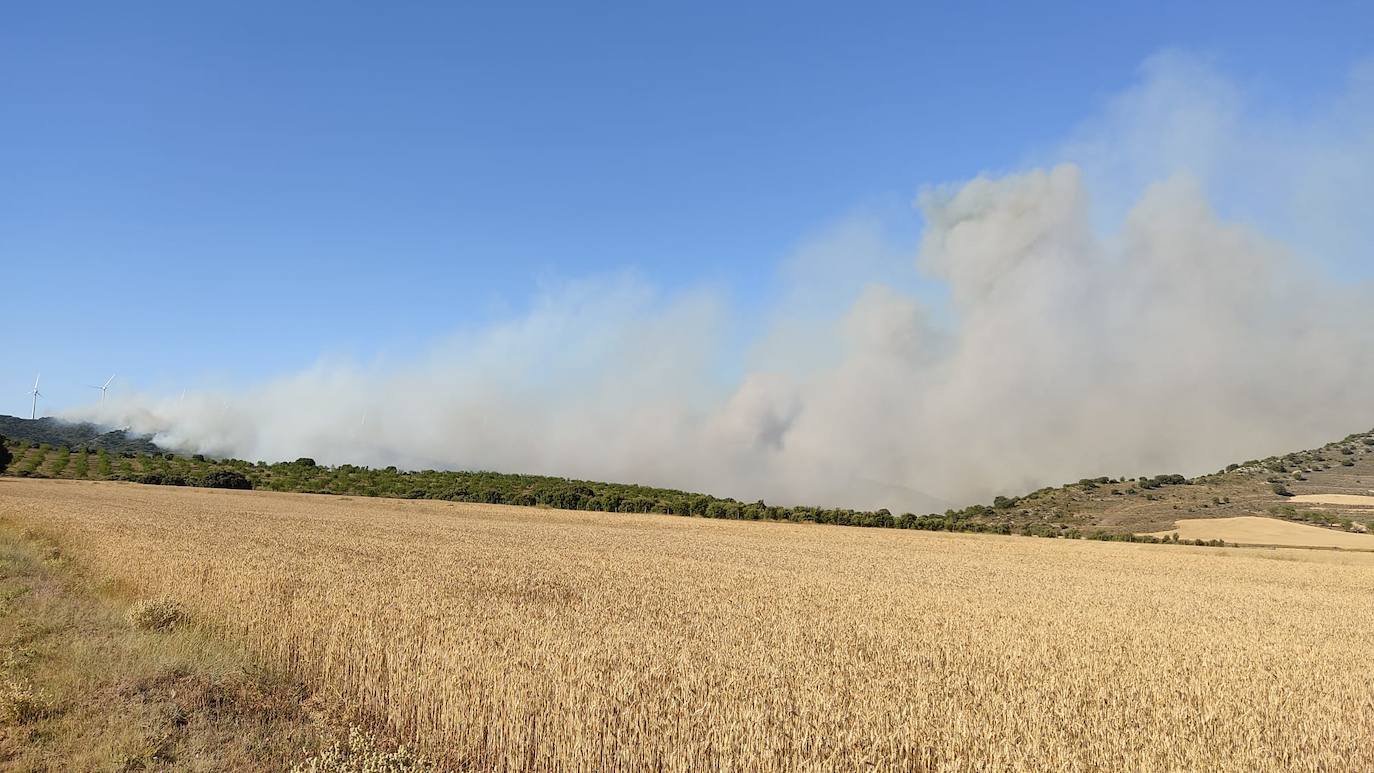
(1256,530)
(1334,499)
(507,638)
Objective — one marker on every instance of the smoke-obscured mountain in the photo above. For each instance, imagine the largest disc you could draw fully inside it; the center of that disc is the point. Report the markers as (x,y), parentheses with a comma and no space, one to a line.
(56,432)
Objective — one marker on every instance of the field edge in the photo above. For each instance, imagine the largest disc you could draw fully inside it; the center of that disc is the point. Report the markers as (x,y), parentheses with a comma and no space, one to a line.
(83,687)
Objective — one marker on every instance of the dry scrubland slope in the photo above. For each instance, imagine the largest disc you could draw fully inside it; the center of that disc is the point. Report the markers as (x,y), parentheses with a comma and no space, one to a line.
(511,638)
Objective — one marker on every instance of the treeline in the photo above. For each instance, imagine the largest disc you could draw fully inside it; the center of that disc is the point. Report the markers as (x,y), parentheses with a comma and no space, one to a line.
(213,479)
(305,476)
(493,488)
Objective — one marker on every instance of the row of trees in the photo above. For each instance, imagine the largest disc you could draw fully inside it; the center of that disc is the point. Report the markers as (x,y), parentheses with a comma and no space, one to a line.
(230,479)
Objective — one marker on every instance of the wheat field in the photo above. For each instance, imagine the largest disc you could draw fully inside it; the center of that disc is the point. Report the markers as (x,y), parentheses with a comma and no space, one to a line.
(1260,530)
(505,638)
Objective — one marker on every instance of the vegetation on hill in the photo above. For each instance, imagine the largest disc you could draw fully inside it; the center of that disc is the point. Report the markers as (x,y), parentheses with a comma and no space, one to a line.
(56,432)
(1093,508)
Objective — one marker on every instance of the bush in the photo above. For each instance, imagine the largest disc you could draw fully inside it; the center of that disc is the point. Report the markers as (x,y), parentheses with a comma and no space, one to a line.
(5,456)
(1281,490)
(226,479)
(305,461)
(156,614)
(160,479)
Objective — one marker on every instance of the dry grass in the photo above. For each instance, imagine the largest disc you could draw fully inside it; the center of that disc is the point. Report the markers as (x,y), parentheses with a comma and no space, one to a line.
(156,614)
(502,638)
(21,704)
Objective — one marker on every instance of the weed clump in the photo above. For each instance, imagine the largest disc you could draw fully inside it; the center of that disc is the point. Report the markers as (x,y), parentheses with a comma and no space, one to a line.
(156,614)
(20,703)
(363,754)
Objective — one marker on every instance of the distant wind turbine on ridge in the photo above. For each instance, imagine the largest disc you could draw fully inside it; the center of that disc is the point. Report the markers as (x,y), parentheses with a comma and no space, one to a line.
(36,395)
(103,388)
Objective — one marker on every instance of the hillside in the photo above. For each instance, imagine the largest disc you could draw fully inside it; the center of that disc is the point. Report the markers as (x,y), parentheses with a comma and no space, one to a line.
(1099,508)
(56,432)
(1275,486)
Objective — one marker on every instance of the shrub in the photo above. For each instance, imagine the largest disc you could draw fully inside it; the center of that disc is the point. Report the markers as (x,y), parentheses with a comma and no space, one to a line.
(160,479)
(1281,490)
(5,456)
(226,479)
(156,614)
(363,754)
(305,461)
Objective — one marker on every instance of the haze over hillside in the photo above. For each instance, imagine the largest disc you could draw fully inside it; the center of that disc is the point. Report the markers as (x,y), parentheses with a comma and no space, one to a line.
(1152,295)
(1331,486)
(74,434)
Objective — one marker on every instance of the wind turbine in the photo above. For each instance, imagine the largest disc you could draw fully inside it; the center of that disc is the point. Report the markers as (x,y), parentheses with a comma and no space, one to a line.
(36,395)
(103,388)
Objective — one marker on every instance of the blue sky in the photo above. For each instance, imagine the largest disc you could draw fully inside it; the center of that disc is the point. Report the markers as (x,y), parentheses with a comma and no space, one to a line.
(194,195)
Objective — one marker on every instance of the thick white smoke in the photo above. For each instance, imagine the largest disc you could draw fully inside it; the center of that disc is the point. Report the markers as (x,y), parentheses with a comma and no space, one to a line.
(1170,339)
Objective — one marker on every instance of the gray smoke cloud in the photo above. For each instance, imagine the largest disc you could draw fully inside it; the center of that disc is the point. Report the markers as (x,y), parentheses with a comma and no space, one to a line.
(1118,307)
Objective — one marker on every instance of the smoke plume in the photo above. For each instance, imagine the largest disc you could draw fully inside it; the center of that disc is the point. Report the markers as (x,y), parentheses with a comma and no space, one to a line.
(1178,286)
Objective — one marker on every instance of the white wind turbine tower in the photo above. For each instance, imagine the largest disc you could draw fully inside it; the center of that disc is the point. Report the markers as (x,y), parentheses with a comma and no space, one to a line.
(103,388)
(36,395)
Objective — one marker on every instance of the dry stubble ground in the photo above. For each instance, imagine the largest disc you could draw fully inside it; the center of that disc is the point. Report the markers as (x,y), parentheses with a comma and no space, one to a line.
(506,638)
(1255,530)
